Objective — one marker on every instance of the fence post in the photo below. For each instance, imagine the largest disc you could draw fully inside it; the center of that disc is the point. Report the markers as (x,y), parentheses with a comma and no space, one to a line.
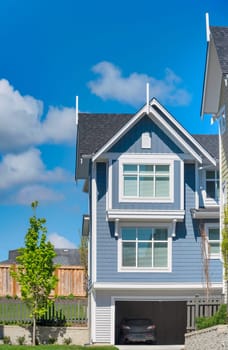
(196,306)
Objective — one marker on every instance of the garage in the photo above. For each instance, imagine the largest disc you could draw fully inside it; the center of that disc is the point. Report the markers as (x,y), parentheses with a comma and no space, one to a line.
(170,318)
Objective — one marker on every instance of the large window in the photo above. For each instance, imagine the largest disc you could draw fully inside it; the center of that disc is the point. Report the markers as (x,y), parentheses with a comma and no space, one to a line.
(144,247)
(146,181)
(212,184)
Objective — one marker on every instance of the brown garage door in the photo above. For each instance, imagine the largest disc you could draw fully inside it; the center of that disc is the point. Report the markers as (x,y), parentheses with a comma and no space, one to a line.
(169,316)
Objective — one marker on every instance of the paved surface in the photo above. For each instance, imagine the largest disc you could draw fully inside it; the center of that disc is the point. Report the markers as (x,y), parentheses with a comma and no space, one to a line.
(150,347)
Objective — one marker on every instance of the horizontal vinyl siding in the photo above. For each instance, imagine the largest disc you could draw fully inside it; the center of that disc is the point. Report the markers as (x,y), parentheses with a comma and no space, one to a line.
(131,141)
(186,250)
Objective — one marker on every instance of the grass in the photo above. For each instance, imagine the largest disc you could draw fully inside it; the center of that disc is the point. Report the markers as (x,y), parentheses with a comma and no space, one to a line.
(56,347)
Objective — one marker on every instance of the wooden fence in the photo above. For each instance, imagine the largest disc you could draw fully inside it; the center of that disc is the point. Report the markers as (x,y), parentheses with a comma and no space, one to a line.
(71,281)
(201,307)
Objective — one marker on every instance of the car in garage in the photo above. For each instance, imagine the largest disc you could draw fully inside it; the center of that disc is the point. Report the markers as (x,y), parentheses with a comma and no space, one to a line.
(140,330)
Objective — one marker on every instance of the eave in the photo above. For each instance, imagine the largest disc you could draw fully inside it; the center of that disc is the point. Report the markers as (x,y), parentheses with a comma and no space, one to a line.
(212,82)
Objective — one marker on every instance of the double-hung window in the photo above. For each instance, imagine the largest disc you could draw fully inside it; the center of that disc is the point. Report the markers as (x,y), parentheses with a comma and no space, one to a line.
(146,181)
(144,248)
(213,241)
(212,184)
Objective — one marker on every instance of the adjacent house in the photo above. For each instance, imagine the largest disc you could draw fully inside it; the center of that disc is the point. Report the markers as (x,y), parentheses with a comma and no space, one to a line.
(70,273)
(215,99)
(153,217)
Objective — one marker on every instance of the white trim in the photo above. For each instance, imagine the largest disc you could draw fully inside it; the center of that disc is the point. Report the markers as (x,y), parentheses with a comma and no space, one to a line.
(196,186)
(146,159)
(94,222)
(93,316)
(153,113)
(110,184)
(182,181)
(147,269)
(189,136)
(121,132)
(151,286)
(207,227)
(145,214)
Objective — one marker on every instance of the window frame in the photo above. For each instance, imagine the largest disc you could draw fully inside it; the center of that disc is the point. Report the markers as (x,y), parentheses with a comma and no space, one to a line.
(138,225)
(214,180)
(145,161)
(209,226)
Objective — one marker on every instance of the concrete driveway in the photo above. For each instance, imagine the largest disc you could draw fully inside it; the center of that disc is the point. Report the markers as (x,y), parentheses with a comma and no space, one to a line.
(150,347)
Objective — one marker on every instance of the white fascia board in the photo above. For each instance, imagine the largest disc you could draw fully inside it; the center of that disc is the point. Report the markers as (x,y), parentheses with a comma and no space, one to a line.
(151,286)
(184,131)
(121,132)
(212,82)
(146,215)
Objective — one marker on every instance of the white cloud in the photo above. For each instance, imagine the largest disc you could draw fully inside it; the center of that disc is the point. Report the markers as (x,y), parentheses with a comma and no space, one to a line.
(28,194)
(22,125)
(27,168)
(60,241)
(111,84)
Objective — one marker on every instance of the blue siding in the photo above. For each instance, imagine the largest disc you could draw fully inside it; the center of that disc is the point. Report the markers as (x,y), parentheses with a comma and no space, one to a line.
(149,206)
(186,254)
(131,141)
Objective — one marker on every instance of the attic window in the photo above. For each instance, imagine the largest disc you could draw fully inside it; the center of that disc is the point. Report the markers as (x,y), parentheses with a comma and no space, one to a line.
(146,140)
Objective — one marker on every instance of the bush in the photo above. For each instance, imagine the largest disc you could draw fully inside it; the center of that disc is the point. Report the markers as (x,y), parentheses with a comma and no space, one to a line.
(52,340)
(6,340)
(220,317)
(21,340)
(67,341)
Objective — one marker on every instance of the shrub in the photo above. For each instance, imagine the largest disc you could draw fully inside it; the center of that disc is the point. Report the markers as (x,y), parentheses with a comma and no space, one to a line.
(21,340)
(52,340)
(6,340)
(220,317)
(67,341)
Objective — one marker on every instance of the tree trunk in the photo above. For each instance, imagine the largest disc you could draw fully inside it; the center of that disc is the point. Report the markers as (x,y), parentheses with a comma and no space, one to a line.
(34,331)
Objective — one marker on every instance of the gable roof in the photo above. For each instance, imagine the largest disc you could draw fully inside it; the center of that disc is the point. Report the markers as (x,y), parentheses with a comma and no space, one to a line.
(98,132)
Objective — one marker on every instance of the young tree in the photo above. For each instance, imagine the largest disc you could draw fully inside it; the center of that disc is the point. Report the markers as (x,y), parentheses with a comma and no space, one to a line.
(35,272)
(83,249)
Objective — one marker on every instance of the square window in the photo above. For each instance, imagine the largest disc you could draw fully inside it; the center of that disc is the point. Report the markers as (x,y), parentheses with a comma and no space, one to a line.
(145,248)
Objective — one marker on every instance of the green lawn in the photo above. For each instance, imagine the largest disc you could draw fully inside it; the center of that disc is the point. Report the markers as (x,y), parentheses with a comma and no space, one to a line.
(55,347)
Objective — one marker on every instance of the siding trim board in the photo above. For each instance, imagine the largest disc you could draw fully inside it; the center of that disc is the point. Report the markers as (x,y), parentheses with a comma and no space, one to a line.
(146,214)
(184,286)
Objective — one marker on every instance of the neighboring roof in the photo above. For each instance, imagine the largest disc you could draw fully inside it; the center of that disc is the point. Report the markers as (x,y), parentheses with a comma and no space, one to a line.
(220,37)
(210,142)
(65,257)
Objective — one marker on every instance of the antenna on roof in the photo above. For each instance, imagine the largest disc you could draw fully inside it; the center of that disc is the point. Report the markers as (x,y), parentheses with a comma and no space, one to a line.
(207,27)
(76,111)
(148,97)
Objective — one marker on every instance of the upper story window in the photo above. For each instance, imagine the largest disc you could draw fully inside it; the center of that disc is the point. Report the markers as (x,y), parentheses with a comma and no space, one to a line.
(145,248)
(213,237)
(146,180)
(212,184)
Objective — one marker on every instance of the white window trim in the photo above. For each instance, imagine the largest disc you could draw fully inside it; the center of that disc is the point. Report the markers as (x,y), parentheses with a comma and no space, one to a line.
(207,227)
(142,159)
(141,269)
(208,202)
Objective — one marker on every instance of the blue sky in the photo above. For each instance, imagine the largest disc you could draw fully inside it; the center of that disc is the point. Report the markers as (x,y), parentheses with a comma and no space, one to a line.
(104,52)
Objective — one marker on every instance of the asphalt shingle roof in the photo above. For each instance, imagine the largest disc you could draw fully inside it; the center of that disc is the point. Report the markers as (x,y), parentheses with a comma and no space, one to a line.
(64,257)
(95,130)
(220,37)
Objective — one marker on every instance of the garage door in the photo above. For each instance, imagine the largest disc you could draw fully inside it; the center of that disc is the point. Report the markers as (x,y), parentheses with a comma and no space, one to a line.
(170,318)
